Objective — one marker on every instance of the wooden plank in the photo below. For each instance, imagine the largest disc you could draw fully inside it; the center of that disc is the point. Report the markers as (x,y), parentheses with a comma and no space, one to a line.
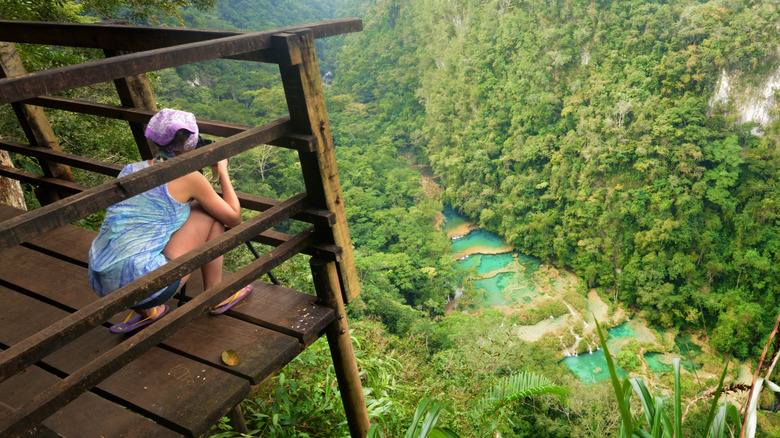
(136,38)
(7,212)
(278,308)
(22,270)
(174,394)
(175,391)
(261,352)
(103,417)
(188,396)
(306,102)
(68,210)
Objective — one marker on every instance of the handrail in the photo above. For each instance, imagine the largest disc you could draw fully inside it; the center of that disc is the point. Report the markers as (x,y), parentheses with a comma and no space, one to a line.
(73,208)
(50,81)
(138,115)
(136,38)
(256,46)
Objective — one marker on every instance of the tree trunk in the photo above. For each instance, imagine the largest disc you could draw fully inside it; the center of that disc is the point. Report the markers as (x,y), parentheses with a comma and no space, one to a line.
(10,189)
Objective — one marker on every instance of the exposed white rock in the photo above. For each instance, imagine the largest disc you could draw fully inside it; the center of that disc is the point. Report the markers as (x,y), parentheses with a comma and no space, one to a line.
(752,103)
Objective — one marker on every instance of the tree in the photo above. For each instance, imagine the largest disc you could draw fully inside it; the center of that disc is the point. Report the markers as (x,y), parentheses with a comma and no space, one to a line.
(69,10)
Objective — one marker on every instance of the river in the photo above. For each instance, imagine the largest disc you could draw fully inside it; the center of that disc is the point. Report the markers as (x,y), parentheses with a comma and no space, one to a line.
(513,282)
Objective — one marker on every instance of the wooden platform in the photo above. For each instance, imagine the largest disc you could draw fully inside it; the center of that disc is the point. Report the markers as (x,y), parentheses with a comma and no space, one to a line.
(61,371)
(180,387)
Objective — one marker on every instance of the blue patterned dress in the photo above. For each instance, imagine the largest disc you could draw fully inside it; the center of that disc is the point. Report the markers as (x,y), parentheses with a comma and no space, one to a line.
(133,236)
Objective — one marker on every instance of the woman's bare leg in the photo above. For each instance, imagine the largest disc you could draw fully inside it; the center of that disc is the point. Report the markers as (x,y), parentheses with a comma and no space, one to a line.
(199,228)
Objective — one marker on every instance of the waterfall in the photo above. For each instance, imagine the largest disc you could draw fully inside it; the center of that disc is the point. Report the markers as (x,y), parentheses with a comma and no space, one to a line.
(565,348)
(577,340)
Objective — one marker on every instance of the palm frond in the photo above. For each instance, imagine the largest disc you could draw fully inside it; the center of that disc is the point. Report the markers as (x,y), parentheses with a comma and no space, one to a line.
(520,385)
(677,402)
(627,425)
(710,426)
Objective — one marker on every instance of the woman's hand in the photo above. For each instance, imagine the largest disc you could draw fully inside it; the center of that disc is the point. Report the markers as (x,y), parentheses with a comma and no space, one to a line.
(219,171)
(225,208)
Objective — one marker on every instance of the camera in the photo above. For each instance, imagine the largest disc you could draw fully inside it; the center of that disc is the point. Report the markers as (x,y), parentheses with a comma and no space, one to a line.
(203,142)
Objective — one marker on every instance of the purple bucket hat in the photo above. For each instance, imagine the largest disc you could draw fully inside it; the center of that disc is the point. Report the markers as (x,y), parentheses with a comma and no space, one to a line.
(163,126)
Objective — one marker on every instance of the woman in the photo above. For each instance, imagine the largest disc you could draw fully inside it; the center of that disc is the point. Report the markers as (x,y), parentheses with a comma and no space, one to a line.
(146,231)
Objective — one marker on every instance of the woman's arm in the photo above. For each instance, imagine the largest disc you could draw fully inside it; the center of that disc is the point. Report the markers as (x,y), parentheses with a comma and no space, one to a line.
(225,209)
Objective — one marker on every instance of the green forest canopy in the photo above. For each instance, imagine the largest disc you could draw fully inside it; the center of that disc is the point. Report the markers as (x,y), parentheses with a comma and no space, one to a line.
(581,131)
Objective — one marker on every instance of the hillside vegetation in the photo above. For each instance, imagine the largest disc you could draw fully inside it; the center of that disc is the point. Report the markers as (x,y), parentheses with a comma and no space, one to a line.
(582,132)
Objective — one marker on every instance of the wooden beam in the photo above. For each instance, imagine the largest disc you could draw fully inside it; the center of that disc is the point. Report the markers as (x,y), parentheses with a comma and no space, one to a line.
(206,126)
(320,250)
(135,92)
(139,38)
(47,218)
(306,102)
(318,217)
(104,70)
(326,283)
(61,157)
(40,181)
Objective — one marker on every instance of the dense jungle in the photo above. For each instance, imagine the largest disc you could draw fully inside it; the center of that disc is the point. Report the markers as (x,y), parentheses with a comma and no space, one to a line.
(629,147)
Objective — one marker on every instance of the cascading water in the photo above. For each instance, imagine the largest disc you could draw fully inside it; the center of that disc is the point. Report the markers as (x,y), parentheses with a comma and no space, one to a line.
(509,279)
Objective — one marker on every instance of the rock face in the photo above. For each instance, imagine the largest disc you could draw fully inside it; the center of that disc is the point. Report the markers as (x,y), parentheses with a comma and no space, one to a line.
(754,100)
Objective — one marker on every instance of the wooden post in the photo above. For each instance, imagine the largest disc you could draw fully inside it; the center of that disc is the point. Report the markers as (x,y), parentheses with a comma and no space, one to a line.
(34,122)
(236,418)
(326,283)
(306,102)
(135,92)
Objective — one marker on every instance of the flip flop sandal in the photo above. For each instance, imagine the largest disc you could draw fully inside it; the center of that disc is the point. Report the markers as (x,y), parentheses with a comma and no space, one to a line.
(135,321)
(238,296)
